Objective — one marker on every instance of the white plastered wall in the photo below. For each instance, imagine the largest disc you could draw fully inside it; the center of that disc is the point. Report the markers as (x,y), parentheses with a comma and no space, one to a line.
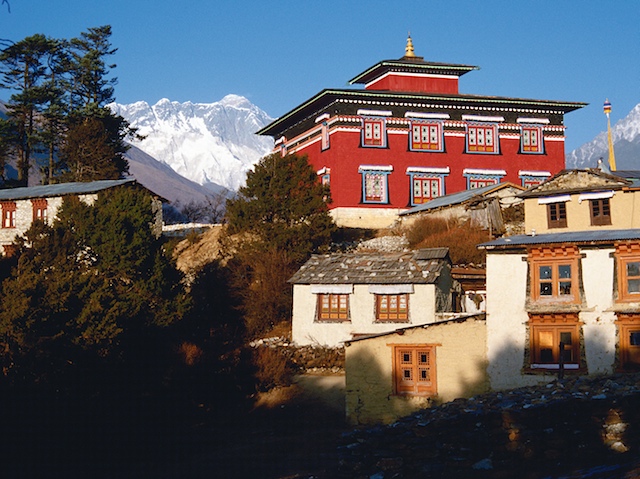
(305,330)
(507,317)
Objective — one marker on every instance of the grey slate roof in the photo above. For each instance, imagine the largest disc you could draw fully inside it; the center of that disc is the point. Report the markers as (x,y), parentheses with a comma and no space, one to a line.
(454,198)
(580,237)
(47,191)
(414,267)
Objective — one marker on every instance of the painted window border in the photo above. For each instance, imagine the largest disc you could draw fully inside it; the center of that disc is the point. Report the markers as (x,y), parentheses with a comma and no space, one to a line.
(383,172)
(554,257)
(475,149)
(438,174)
(473,175)
(528,149)
(430,147)
(374,120)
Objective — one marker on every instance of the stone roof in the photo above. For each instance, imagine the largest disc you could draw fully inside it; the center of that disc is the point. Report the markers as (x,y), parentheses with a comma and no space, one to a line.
(61,189)
(414,267)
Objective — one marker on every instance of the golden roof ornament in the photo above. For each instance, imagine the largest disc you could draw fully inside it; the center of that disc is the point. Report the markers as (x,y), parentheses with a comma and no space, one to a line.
(408,51)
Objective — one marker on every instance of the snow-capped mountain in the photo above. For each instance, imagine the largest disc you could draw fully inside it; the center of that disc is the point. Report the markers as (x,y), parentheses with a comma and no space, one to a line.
(208,143)
(626,143)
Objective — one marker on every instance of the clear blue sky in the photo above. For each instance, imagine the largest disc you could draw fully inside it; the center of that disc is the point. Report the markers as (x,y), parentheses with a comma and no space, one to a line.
(278,54)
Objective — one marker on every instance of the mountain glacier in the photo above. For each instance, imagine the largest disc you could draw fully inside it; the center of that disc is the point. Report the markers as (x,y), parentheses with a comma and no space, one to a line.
(208,143)
(626,142)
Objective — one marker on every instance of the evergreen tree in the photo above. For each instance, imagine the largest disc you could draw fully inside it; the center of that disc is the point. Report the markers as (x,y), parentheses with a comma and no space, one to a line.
(95,284)
(283,218)
(24,69)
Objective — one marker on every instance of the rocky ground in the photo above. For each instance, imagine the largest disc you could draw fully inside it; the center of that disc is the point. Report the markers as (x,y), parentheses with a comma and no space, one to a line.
(575,428)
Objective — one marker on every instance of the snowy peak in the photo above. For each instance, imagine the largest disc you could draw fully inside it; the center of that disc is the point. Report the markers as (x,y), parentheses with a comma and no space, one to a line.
(626,142)
(204,142)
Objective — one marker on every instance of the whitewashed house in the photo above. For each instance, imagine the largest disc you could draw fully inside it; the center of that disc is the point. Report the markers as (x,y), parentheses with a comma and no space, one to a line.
(566,294)
(339,296)
(20,207)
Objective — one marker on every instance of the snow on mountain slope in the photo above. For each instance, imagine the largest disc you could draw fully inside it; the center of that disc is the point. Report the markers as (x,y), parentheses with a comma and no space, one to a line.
(208,143)
(626,142)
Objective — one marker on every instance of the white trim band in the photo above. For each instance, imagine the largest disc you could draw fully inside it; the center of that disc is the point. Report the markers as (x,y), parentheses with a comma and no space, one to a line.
(597,195)
(544,174)
(427,116)
(324,116)
(539,121)
(362,168)
(331,288)
(423,169)
(474,171)
(374,113)
(482,118)
(554,199)
(391,288)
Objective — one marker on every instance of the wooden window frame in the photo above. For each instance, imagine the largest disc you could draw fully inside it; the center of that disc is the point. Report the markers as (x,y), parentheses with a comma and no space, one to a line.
(8,214)
(389,308)
(414,369)
(531,140)
(475,183)
(39,206)
(626,254)
(555,260)
(549,330)
(426,136)
(628,342)
(324,135)
(374,133)
(332,307)
(483,139)
(600,210)
(557,215)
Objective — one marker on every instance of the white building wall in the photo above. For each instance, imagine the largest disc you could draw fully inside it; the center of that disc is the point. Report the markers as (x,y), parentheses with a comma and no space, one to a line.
(507,317)
(598,326)
(305,330)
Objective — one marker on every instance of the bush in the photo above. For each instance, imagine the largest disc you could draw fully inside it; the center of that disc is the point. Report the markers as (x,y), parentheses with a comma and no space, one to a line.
(272,368)
(461,238)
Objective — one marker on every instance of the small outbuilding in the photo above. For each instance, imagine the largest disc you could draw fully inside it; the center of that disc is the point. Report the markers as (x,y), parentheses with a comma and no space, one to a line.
(393,374)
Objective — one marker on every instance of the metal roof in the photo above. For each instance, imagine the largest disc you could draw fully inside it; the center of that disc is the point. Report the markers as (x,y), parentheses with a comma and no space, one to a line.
(61,189)
(581,237)
(414,267)
(456,198)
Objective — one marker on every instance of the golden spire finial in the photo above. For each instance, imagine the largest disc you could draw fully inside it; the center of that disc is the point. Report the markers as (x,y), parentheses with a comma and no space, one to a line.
(408,51)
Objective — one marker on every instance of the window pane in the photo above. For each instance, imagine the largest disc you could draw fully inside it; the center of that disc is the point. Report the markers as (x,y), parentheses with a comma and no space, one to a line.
(545,272)
(565,337)
(633,268)
(565,287)
(546,355)
(424,374)
(545,289)
(634,285)
(634,338)
(564,271)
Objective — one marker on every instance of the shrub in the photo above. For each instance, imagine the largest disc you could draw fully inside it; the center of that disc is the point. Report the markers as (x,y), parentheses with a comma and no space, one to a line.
(461,238)
(272,369)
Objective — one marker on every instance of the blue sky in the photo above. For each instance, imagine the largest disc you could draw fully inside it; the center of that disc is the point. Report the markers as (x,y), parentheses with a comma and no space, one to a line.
(278,54)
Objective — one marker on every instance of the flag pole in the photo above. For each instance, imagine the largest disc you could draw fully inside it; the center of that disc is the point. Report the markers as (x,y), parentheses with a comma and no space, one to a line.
(612,157)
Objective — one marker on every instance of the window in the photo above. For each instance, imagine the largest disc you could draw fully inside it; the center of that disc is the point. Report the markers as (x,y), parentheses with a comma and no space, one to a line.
(414,370)
(629,341)
(426,136)
(374,132)
(425,189)
(529,179)
(333,307)
(392,307)
(557,215)
(554,274)
(39,209)
(482,138)
(600,212)
(531,139)
(628,268)
(479,178)
(554,337)
(324,132)
(8,214)
(374,183)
